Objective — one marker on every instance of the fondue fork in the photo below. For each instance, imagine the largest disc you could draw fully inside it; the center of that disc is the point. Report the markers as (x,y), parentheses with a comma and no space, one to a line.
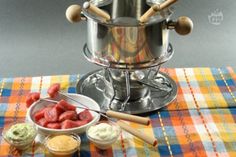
(154,9)
(108,113)
(146,138)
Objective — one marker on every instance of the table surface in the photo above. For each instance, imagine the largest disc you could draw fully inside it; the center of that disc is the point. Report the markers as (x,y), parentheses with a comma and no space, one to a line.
(200,122)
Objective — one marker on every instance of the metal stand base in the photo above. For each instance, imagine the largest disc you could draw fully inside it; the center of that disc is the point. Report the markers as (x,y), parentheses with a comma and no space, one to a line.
(161,92)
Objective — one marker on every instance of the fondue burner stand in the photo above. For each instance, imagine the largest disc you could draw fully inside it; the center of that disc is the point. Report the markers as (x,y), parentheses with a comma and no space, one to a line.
(131,45)
(130,91)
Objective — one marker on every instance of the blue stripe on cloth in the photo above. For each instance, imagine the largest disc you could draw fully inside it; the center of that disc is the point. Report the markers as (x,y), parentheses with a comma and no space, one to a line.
(170,131)
(158,132)
(163,150)
(131,151)
(73,81)
(6,92)
(153,116)
(208,146)
(117,152)
(229,99)
(227,95)
(193,113)
(85,147)
(230,82)
(233,111)
(183,84)
(220,146)
(214,71)
(194,83)
(71,90)
(224,71)
(176,149)
(1,122)
(3,108)
(220,82)
(9,80)
(165,114)
(44,91)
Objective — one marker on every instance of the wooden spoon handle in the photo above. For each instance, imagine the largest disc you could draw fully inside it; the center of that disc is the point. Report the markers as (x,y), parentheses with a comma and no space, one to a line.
(142,136)
(99,12)
(155,8)
(128,117)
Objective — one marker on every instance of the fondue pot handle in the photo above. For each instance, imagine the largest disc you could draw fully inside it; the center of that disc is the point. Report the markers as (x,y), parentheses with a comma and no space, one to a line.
(99,12)
(155,8)
(73,13)
(182,26)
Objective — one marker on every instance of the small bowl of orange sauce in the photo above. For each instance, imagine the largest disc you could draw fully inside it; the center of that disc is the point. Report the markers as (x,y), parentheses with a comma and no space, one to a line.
(64,145)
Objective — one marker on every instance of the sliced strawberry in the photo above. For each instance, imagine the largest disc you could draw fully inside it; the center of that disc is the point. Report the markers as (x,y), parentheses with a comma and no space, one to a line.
(51,115)
(71,115)
(68,124)
(85,116)
(67,106)
(53,90)
(54,125)
(80,122)
(42,122)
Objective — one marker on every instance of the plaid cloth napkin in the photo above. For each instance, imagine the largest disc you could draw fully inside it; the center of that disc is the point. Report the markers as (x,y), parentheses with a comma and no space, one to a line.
(200,122)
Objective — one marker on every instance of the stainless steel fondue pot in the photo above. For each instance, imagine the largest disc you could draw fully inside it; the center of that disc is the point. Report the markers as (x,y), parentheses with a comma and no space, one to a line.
(128,34)
(130,40)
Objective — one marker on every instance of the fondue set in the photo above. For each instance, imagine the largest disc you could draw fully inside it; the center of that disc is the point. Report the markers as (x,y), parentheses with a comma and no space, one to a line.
(130,40)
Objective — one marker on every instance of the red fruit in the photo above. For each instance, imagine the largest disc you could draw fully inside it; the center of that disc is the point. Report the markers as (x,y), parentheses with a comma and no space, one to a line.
(60,109)
(51,115)
(54,125)
(42,122)
(80,122)
(68,124)
(85,116)
(29,101)
(39,114)
(31,98)
(35,96)
(71,115)
(53,90)
(67,106)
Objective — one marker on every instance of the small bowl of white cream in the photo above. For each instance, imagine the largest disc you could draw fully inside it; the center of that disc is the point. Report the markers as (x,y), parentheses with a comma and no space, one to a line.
(103,134)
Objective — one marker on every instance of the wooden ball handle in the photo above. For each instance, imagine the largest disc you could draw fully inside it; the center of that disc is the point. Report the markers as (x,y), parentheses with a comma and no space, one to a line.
(99,12)
(183,25)
(73,13)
